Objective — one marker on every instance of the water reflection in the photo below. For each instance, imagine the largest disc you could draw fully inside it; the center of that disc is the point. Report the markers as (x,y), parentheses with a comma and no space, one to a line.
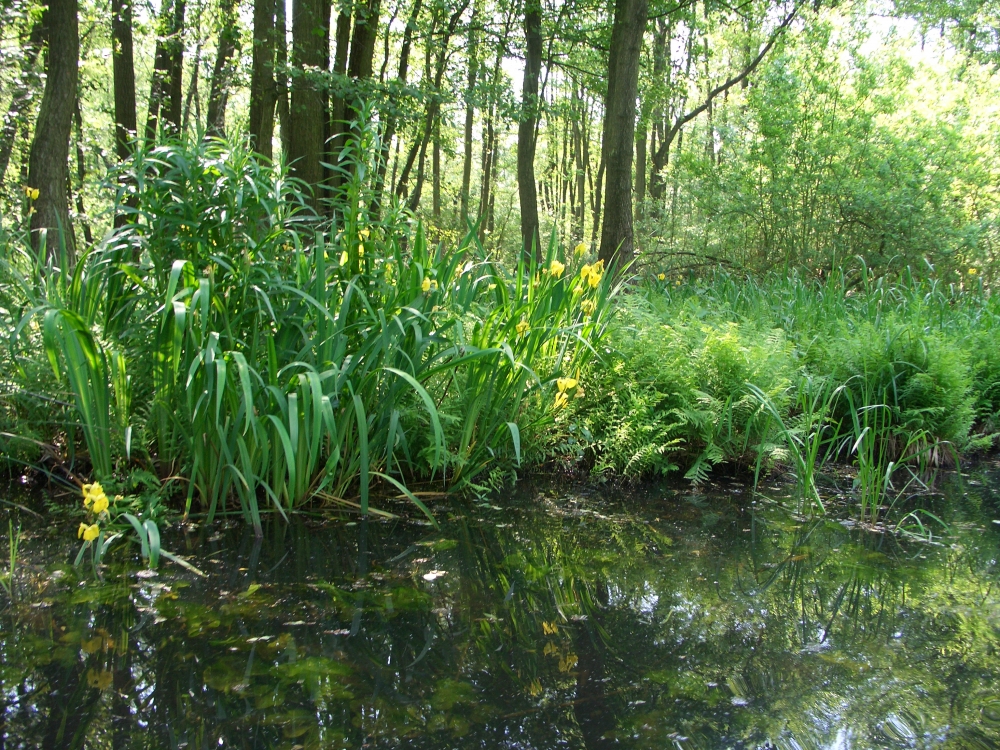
(655,620)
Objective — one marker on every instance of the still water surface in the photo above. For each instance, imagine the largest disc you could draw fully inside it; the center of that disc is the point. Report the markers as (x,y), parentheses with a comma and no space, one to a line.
(571,617)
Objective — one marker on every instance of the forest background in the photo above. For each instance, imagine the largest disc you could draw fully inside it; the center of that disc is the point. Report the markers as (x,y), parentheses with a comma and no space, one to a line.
(699,133)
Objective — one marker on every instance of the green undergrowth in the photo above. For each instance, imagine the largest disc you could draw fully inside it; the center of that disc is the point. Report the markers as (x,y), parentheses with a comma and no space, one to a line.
(793,372)
(252,355)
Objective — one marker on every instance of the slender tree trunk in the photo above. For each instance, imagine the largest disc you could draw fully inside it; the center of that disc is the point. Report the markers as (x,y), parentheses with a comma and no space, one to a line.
(470,114)
(21,98)
(281,77)
(48,160)
(436,172)
(81,174)
(434,104)
(222,72)
(526,189)
(193,98)
(168,67)
(124,77)
(582,156)
(262,83)
(598,193)
(619,131)
(390,125)
(306,120)
(338,102)
(640,169)
(490,142)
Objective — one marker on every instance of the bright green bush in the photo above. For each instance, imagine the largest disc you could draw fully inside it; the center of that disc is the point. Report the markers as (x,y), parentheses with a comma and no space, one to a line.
(674,394)
(922,377)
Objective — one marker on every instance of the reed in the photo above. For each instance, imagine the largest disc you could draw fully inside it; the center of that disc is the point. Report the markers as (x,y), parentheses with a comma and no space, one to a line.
(267,357)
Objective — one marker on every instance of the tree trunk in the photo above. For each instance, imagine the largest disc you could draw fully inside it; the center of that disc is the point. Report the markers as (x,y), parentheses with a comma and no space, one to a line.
(48,160)
(262,83)
(470,114)
(81,174)
(124,77)
(21,98)
(433,105)
(598,193)
(617,247)
(640,169)
(526,189)
(436,172)
(222,72)
(168,67)
(306,117)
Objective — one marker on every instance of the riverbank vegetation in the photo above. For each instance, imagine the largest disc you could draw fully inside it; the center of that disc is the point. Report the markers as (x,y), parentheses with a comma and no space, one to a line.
(759,237)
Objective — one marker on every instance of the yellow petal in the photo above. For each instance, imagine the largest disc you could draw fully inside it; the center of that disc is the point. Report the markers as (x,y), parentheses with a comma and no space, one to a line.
(91,533)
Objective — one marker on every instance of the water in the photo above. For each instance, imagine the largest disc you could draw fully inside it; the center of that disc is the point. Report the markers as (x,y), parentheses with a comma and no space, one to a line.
(571,617)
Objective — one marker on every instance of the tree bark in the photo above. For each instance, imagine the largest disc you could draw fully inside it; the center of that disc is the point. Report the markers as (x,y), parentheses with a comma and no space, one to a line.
(262,83)
(21,98)
(222,72)
(617,248)
(48,169)
(526,189)
(306,118)
(124,77)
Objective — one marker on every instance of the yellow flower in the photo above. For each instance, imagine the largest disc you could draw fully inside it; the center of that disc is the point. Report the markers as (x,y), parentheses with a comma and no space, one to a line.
(31,193)
(363,234)
(661,276)
(588,306)
(579,250)
(566,384)
(973,272)
(99,680)
(89,533)
(361,251)
(522,327)
(561,400)
(556,269)
(79,532)
(596,272)
(100,503)
(567,663)
(549,628)
(426,286)
(344,257)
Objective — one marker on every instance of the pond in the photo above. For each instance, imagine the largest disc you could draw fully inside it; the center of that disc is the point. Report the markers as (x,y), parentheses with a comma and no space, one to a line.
(559,616)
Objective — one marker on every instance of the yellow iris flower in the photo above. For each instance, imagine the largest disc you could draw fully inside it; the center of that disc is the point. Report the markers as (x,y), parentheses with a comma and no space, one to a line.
(566,384)
(556,269)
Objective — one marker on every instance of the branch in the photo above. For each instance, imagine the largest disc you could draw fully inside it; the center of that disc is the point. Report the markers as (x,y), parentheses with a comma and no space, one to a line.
(661,153)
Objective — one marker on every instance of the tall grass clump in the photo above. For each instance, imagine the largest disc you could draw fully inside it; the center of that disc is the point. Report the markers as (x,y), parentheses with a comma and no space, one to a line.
(228,339)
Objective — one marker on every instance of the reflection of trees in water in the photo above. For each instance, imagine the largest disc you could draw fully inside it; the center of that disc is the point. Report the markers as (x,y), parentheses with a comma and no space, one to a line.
(726,629)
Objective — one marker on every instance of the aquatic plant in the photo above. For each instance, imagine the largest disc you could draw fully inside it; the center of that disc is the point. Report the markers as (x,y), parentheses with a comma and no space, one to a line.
(269,357)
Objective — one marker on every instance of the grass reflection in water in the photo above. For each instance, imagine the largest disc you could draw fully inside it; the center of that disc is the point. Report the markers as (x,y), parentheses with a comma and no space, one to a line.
(656,619)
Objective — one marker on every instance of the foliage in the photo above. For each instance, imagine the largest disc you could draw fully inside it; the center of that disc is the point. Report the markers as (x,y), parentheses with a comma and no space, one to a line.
(226,335)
